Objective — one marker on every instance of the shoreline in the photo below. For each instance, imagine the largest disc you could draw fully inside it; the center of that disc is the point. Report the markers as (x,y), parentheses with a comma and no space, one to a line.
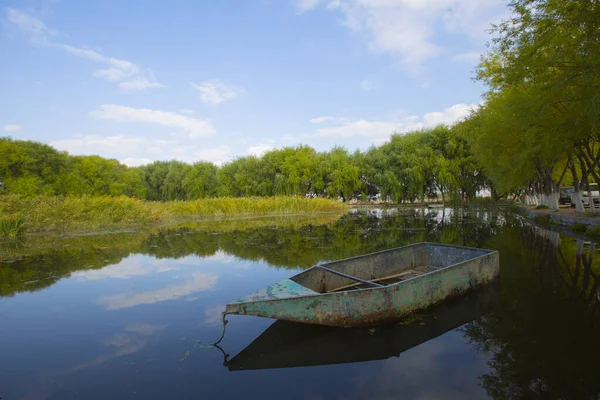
(562,217)
(586,226)
(90,215)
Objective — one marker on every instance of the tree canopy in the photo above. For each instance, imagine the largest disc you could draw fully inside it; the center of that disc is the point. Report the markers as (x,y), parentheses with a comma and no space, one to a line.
(414,166)
(538,126)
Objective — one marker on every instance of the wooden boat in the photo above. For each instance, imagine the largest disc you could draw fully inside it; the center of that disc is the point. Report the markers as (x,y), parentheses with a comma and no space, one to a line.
(287,344)
(373,288)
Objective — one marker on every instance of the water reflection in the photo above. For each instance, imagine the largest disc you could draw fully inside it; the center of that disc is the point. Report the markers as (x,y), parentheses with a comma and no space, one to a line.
(280,242)
(543,342)
(113,316)
(133,338)
(129,267)
(198,282)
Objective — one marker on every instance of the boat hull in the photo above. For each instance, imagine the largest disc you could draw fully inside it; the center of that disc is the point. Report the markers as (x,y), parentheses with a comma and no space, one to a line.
(289,345)
(381,304)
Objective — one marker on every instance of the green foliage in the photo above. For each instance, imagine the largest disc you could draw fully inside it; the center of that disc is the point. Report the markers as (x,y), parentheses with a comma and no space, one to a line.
(540,117)
(410,167)
(201,181)
(593,232)
(578,227)
(422,164)
(545,220)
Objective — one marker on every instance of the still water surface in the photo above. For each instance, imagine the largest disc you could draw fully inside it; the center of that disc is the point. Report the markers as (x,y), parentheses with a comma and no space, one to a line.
(119,316)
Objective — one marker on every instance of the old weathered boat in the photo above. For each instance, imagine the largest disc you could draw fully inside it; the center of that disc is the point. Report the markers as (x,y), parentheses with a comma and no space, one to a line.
(291,344)
(373,288)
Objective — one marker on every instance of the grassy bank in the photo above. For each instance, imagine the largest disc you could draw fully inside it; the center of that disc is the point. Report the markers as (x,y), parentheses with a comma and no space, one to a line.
(60,214)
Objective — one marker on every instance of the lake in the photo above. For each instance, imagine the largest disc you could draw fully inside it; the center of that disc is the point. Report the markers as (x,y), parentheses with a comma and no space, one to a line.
(119,316)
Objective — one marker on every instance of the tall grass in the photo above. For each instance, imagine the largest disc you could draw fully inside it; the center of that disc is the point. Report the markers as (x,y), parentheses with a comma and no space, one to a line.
(12,226)
(45,214)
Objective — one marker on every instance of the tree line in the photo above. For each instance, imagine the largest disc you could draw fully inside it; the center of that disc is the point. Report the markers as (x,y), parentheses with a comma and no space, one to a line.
(410,167)
(538,127)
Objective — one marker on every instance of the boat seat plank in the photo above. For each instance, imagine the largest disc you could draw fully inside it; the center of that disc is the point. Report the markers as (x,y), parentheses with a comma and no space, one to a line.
(392,278)
(353,278)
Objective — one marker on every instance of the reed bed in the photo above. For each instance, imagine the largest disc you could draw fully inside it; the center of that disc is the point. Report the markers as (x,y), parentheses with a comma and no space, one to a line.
(12,226)
(87,213)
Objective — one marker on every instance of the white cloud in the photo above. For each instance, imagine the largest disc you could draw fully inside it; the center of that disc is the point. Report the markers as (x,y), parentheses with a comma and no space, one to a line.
(135,151)
(133,148)
(111,74)
(217,155)
(129,267)
(321,120)
(259,150)
(410,29)
(199,282)
(367,85)
(471,57)
(139,83)
(144,329)
(119,70)
(135,162)
(126,67)
(380,131)
(12,128)
(94,144)
(192,127)
(450,115)
(213,315)
(186,111)
(359,128)
(305,5)
(29,24)
(216,92)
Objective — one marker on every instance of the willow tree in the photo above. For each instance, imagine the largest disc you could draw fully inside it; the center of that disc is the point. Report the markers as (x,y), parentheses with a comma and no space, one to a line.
(542,77)
(200,181)
(342,176)
(516,150)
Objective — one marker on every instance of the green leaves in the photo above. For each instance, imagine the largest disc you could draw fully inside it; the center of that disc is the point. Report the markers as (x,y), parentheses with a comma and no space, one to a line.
(409,167)
(543,83)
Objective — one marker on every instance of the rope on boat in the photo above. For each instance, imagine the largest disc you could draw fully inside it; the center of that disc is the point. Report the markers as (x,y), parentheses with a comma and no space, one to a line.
(215,344)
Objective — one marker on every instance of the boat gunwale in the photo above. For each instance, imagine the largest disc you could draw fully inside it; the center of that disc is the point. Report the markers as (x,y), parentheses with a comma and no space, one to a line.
(343,293)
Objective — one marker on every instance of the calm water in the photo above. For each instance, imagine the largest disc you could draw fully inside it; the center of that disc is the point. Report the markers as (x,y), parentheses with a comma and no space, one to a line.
(119,316)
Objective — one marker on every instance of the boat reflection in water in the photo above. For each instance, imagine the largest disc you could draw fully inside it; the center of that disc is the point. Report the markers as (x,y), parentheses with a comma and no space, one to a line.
(290,344)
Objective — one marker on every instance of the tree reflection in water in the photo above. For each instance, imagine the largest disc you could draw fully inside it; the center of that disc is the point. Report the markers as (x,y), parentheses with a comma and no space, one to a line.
(543,342)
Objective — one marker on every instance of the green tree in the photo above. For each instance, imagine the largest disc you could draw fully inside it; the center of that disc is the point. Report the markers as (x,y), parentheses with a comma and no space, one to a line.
(201,181)
(541,105)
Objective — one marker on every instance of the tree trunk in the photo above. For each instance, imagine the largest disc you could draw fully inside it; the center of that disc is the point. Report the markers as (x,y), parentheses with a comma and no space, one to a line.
(576,196)
(553,201)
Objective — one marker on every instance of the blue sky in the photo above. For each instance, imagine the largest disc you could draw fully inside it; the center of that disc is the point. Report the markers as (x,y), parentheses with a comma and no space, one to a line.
(214,80)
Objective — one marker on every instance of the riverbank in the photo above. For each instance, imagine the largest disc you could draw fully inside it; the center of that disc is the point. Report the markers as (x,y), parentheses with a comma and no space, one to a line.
(87,213)
(586,224)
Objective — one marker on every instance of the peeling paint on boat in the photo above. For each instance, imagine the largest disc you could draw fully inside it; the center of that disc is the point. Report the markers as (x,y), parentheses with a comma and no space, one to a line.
(280,290)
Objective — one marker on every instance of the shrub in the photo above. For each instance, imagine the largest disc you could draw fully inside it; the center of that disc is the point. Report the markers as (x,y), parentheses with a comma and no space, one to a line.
(544,220)
(593,232)
(578,227)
